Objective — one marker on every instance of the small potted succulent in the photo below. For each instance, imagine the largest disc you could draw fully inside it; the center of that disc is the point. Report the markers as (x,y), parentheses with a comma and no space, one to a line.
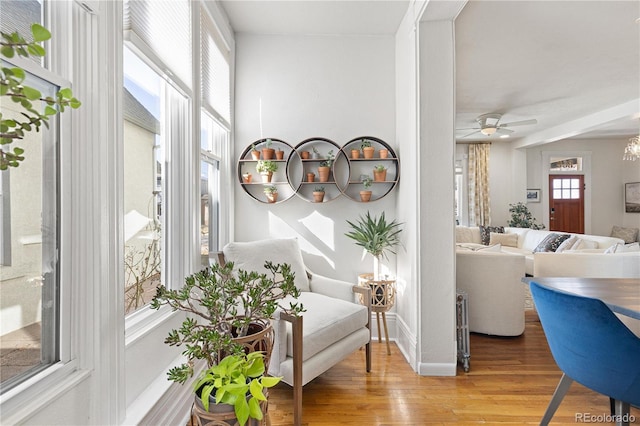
(246,177)
(272,193)
(379,173)
(279,154)
(365,195)
(367,149)
(324,169)
(266,168)
(267,152)
(255,154)
(315,154)
(318,194)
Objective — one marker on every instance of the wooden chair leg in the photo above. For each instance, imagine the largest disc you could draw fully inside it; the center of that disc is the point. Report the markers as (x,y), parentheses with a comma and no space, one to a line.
(296,331)
(561,390)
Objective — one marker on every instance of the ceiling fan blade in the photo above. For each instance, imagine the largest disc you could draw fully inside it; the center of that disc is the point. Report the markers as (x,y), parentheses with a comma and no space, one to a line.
(503,131)
(520,123)
(472,133)
(469,128)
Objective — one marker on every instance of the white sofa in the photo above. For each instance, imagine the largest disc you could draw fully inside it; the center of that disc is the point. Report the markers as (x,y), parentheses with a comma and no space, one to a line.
(527,240)
(492,281)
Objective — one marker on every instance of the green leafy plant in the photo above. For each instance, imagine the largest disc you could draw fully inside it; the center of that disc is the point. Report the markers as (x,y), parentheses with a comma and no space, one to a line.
(253,147)
(238,380)
(265,166)
(379,168)
(376,236)
(226,301)
(319,189)
(28,98)
(364,143)
(315,150)
(270,189)
(367,181)
(329,160)
(521,217)
(268,143)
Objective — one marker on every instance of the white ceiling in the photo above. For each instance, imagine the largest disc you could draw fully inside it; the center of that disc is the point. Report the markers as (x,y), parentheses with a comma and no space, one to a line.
(574,66)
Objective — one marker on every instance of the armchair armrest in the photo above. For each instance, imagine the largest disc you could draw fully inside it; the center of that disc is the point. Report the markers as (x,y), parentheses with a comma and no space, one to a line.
(333,288)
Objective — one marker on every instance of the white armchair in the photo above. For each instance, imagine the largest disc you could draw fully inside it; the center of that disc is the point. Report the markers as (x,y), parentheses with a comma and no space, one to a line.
(333,326)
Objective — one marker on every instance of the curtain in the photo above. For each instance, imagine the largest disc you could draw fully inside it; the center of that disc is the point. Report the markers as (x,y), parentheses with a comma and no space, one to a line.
(479,209)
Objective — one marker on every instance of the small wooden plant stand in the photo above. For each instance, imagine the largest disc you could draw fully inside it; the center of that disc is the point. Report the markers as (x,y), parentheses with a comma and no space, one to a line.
(383,295)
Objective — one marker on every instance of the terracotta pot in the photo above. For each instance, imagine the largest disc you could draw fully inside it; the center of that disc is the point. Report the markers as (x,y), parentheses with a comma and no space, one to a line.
(323,173)
(380,176)
(255,155)
(384,153)
(311,177)
(318,196)
(368,151)
(273,197)
(266,176)
(268,153)
(279,155)
(355,153)
(304,155)
(247,178)
(365,196)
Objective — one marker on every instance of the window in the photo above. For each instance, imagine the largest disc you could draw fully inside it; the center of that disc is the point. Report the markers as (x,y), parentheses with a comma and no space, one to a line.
(29,275)
(566,189)
(565,164)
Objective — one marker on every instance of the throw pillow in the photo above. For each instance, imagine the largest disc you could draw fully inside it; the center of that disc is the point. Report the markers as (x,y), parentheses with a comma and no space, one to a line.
(623,248)
(463,235)
(485,233)
(551,242)
(568,244)
(509,240)
(629,235)
(585,244)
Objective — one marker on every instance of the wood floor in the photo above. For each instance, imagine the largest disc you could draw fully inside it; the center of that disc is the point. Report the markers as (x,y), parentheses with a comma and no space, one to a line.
(510,382)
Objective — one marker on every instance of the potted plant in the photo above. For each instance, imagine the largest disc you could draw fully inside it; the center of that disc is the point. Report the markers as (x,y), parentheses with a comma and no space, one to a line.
(311,177)
(384,152)
(279,154)
(365,195)
(266,169)
(315,155)
(268,152)
(304,155)
(355,153)
(229,311)
(237,384)
(521,217)
(255,154)
(367,149)
(379,173)
(324,169)
(318,194)
(376,236)
(246,177)
(272,193)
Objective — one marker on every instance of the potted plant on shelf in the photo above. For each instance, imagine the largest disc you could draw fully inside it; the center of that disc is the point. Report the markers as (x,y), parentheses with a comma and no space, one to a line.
(376,236)
(246,177)
(379,173)
(384,152)
(236,384)
(279,154)
(315,154)
(228,311)
(268,152)
(365,195)
(324,169)
(318,194)
(304,155)
(367,149)
(272,193)
(266,168)
(311,177)
(255,154)
(355,153)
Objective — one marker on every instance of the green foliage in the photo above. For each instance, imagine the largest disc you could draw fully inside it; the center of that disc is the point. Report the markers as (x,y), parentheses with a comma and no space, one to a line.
(270,189)
(233,380)
(30,99)
(375,235)
(319,189)
(329,160)
(379,168)
(265,166)
(228,301)
(366,181)
(365,143)
(521,217)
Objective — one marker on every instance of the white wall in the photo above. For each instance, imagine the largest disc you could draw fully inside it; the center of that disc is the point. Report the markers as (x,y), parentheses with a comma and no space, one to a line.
(609,172)
(336,87)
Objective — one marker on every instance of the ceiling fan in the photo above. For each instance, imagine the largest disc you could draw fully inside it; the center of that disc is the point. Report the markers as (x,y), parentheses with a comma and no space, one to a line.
(489,124)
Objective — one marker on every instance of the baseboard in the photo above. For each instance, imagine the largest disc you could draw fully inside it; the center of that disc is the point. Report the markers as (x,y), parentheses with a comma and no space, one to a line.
(437,369)
(406,342)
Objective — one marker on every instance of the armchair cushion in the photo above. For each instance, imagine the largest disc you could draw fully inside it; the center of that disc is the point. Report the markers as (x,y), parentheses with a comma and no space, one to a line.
(251,256)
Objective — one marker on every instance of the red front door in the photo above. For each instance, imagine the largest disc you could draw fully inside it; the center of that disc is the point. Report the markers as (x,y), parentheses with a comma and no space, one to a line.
(566,203)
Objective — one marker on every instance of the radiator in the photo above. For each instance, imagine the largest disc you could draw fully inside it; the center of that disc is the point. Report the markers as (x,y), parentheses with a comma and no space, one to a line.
(462,329)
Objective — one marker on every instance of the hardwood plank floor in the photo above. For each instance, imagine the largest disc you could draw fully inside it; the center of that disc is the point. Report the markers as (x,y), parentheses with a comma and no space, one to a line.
(511,381)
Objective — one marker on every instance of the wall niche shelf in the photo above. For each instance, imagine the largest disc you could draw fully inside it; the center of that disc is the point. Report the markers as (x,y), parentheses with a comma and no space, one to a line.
(346,173)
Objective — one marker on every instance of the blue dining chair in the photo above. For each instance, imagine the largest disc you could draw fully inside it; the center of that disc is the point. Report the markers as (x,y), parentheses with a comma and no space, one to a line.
(591,346)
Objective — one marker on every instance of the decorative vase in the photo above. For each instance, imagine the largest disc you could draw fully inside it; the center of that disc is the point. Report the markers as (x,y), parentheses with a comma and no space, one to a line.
(279,155)
(365,196)
(318,196)
(255,155)
(384,153)
(323,173)
(380,176)
(304,155)
(266,176)
(355,153)
(311,177)
(368,151)
(268,153)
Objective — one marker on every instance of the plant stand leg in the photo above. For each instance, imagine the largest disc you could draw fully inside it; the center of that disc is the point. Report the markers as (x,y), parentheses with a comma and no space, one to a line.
(386,332)
(379,331)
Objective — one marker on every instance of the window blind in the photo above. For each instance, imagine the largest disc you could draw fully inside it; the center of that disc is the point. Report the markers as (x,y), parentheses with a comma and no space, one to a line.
(215,69)
(163,27)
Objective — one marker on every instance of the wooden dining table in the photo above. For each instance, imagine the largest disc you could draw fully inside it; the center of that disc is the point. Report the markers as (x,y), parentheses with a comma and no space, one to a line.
(621,295)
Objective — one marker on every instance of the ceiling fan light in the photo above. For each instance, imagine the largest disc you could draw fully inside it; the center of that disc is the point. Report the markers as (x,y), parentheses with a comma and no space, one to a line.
(488,131)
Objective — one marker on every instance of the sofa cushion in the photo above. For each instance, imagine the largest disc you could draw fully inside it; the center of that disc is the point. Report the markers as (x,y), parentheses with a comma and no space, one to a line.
(510,240)
(326,321)
(478,247)
(623,248)
(485,233)
(551,242)
(574,243)
(464,234)
(629,235)
(251,256)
